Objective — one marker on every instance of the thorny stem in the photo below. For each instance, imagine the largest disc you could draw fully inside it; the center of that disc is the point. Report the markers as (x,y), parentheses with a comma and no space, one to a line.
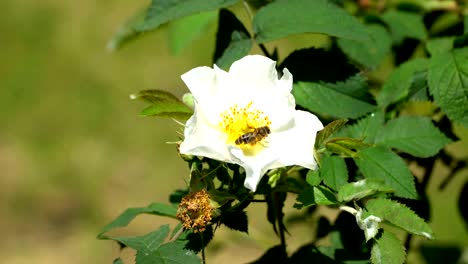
(261,46)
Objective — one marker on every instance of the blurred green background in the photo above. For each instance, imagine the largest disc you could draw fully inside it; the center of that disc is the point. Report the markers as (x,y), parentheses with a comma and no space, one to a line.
(74,153)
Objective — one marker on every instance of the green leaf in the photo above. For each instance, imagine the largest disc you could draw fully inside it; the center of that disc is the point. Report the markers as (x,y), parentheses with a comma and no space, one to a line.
(324,99)
(366,128)
(328,130)
(239,47)
(169,253)
(163,11)
(438,46)
(388,249)
(163,104)
(314,195)
(146,243)
(419,91)
(379,163)
(127,31)
(371,52)
(183,31)
(150,248)
(448,83)
(126,217)
(232,40)
(334,172)
(398,215)
(349,143)
(360,189)
(405,25)
(283,18)
(414,135)
(398,84)
(313,177)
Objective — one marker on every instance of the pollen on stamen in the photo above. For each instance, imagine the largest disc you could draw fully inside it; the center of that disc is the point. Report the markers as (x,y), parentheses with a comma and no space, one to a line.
(237,121)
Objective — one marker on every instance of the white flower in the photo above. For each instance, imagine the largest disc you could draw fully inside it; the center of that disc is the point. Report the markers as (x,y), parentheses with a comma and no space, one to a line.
(251,102)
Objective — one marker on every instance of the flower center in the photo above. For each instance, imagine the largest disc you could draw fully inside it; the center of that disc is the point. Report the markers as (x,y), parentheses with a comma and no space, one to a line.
(245,126)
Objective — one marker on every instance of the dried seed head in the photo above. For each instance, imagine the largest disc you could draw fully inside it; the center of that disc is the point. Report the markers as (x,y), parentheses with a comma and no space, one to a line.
(195,211)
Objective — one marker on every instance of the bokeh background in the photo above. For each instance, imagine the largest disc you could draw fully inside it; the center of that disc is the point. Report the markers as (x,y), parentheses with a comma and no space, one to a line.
(74,153)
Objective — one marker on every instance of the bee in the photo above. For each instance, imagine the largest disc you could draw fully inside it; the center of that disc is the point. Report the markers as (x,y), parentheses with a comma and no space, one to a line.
(252,137)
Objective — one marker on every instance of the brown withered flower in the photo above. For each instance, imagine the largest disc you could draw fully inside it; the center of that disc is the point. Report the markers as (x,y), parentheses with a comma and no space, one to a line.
(195,211)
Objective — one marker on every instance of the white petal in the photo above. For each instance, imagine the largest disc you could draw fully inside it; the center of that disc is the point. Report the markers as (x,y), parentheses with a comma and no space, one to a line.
(296,144)
(202,140)
(255,69)
(255,166)
(201,82)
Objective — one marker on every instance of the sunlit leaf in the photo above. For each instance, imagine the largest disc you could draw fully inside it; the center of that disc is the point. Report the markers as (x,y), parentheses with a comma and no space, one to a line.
(334,172)
(442,45)
(313,177)
(232,40)
(163,104)
(405,25)
(126,217)
(163,11)
(369,53)
(360,189)
(185,30)
(366,128)
(315,195)
(414,135)
(328,130)
(379,163)
(324,99)
(388,249)
(398,215)
(448,83)
(287,17)
(398,84)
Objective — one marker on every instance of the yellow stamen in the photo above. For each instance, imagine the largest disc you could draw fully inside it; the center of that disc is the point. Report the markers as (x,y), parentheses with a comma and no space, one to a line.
(237,121)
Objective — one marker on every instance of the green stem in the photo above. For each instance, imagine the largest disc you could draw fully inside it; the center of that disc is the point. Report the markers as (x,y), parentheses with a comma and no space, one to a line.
(203,249)
(279,218)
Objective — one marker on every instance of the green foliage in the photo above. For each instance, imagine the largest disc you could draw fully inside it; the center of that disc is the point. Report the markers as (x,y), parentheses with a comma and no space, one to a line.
(162,11)
(334,172)
(448,78)
(399,83)
(323,98)
(183,31)
(404,24)
(387,249)
(232,40)
(361,189)
(151,249)
(371,52)
(126,217)
(398,215)
(287,17)
(315,195)
(414,135)
(381,164)
(163,104)
(328,130)
(363,80)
